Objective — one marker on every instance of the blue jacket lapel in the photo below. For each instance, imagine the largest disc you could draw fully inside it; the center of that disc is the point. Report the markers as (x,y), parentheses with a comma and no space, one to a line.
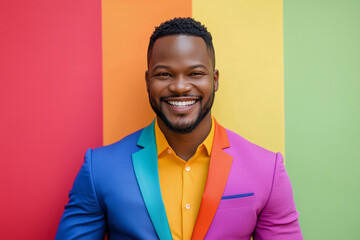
(147,175)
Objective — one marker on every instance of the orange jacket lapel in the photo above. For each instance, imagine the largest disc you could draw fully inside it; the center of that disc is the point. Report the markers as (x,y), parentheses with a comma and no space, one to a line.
(219,169)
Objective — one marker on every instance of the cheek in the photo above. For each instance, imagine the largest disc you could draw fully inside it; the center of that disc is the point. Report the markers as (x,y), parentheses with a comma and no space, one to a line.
(157,89)
(206,87)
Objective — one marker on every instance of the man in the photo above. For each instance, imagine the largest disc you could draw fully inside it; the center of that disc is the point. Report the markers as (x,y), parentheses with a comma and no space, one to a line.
(184,176)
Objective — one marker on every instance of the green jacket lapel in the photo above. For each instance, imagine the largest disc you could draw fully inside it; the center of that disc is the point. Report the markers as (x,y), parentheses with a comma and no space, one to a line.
(147,174)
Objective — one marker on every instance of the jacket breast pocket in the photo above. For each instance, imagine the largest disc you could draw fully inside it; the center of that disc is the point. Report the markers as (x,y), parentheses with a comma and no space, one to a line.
(235,218)
(237,200)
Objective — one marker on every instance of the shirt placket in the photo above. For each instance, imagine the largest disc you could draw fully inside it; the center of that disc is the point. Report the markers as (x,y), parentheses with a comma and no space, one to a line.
(188,198)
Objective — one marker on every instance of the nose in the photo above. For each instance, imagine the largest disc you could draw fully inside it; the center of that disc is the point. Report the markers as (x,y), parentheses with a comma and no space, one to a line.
(180,85)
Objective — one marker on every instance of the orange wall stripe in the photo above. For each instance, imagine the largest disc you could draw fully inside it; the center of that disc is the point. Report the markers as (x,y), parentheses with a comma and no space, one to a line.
(127,26)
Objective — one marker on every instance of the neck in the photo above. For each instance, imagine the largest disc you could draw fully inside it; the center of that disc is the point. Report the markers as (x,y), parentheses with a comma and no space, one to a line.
(185,145)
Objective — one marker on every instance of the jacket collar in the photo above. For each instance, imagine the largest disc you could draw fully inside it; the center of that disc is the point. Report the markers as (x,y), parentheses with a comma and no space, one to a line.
(147,175)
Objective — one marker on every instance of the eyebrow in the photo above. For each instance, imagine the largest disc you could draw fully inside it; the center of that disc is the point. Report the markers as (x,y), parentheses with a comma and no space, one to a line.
(168,68)
(199,65)
(160,66)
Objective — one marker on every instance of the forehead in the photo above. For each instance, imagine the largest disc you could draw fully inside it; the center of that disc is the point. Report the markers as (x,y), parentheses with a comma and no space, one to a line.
(182,49)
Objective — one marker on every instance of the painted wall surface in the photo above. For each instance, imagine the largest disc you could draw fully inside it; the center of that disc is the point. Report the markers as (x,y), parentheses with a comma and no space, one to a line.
(50,108)
(55,100)
(249,50)
(127,26)
(248,41)
(322,113)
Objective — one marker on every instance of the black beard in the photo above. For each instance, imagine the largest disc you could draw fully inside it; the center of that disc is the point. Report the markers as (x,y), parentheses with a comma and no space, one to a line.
(186,128)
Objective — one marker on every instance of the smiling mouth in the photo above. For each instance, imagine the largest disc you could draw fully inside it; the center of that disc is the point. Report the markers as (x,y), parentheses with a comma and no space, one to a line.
(181,104)
(181,101)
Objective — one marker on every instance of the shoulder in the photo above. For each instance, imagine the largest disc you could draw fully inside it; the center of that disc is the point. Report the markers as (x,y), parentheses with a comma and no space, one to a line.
(254,168)
(240,145)
(125,146)
(251,160)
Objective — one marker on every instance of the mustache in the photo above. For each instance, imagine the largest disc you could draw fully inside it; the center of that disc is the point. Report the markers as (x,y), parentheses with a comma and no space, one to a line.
(180,95)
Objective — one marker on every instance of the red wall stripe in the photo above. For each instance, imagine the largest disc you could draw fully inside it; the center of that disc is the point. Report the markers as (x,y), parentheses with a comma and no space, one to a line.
(50,106)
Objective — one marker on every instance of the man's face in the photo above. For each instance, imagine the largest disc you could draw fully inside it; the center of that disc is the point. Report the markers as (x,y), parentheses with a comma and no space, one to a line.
(181,81)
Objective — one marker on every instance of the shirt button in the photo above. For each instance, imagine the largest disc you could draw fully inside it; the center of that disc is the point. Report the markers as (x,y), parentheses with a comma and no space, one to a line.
(187,169)
(187,206)
(169,151)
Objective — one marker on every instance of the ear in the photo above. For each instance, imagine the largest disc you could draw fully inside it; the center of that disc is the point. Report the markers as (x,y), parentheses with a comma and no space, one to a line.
(216,79)
(147,80)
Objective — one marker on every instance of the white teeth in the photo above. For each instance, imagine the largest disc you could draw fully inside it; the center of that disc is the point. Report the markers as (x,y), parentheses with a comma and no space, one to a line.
(181,103)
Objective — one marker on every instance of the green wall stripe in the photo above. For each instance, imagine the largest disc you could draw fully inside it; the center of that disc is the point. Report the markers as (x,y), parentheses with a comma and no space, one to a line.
(322,114)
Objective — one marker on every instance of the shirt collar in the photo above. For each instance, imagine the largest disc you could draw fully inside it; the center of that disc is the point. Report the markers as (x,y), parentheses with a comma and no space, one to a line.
(162,144)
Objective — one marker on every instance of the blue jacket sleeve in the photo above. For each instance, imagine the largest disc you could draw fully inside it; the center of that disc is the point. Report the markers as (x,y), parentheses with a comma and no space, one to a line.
(83,217)
(279,218)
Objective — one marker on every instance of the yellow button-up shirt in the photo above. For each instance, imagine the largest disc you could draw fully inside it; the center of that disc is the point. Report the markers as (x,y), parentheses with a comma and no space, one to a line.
(182,183)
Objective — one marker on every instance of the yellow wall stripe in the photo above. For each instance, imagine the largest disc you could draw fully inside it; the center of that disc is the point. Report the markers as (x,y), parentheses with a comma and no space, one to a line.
(248,40)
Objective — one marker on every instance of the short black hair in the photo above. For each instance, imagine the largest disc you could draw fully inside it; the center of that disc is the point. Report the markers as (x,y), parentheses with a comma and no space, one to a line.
(182,26)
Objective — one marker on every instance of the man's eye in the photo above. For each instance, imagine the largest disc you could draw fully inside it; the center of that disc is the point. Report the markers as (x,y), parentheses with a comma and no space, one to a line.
(196,74)
(162,74)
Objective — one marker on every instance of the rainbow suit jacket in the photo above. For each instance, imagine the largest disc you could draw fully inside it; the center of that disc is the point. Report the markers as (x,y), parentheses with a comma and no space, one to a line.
(117,193)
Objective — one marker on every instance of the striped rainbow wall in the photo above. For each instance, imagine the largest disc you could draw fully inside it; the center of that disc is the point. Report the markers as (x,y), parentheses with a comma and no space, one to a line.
(72,77)
(249,58)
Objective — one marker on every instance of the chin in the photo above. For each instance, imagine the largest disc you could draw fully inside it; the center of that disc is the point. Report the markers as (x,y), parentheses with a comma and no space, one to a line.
(182,126)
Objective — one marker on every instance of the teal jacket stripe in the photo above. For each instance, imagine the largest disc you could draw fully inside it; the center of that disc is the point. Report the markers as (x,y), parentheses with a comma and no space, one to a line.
(147,174)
